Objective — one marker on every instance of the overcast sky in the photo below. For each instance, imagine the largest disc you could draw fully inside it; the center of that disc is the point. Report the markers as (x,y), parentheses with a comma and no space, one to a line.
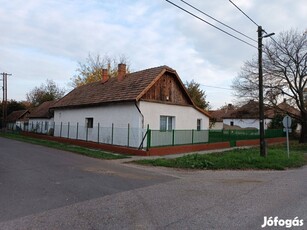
(45,39)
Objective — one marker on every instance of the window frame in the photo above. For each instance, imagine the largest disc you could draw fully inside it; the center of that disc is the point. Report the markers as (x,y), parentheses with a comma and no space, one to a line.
(89,122)
(198,124)
(167,123)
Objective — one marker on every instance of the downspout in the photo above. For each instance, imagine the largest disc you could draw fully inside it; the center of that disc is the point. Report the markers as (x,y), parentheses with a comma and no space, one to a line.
(136,105)
(143,137)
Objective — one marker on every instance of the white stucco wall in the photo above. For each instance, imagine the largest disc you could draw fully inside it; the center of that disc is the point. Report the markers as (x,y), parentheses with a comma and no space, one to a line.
(71,123)
(247,123)
(185,116)
(118,114)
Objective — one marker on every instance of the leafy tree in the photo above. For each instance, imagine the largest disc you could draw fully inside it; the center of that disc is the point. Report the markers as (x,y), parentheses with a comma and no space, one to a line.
(198,95)
(91,70)
(12,105)
(46,92)
(285,75)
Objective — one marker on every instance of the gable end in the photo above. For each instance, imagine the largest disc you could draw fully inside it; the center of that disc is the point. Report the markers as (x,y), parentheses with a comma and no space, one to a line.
(167,89)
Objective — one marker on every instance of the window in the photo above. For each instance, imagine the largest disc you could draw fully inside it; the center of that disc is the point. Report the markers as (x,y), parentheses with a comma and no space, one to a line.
(231,123)
(167,123)
(198,124)
(89,121)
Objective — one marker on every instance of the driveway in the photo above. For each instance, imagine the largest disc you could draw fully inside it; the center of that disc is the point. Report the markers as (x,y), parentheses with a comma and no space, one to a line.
(137,197)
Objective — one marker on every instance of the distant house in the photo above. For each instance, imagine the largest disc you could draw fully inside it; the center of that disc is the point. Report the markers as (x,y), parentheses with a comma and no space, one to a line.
(154,98)
(41,118)
(247,116)
(18,120)
(216,121)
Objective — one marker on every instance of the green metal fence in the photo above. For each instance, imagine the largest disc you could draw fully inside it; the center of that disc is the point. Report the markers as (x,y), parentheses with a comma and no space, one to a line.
(157,138)
(177,137)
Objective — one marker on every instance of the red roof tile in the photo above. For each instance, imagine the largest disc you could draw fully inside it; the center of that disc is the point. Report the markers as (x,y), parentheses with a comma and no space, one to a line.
(17,115)
(42,111)
(129,89)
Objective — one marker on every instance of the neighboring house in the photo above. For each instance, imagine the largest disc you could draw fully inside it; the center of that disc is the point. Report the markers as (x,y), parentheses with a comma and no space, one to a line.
(247,116)
(154,98)
(41,118)
(216,121)
(18,120)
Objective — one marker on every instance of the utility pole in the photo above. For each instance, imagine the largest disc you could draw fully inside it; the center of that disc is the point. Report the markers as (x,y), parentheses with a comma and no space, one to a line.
(263,149)
(261,109)
(4,101)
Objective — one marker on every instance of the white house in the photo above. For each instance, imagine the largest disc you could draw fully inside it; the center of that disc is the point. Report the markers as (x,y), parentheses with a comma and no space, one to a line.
(247,116)
(119,110)
(41,118)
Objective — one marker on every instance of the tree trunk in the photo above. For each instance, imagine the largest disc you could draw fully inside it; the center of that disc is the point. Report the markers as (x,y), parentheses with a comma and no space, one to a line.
(303,137)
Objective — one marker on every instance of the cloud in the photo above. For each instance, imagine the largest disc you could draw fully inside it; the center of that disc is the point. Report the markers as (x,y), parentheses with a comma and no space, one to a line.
(46,39)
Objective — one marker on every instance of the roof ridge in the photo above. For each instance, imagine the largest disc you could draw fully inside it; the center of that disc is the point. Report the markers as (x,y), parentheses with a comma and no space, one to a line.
(151,68)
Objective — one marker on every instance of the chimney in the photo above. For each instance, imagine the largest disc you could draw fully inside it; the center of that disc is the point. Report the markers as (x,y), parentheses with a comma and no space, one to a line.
(105,75)
(121,71)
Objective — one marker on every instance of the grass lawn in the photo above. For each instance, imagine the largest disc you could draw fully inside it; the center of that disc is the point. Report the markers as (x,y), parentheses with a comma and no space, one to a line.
(250,158)
(67,147)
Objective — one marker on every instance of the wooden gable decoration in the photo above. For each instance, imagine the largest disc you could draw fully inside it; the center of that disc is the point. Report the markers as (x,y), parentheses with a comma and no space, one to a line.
(167,88)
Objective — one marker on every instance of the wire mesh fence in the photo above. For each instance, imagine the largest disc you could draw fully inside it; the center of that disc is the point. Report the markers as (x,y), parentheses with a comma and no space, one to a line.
(143,138)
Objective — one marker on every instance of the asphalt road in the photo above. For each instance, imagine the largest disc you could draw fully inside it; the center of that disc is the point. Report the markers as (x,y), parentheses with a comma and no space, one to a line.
(67,191)
(35,178)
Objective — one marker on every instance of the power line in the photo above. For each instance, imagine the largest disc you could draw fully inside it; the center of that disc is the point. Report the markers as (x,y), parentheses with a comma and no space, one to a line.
(244,13)
(216,87)
(210,24)
(217,20)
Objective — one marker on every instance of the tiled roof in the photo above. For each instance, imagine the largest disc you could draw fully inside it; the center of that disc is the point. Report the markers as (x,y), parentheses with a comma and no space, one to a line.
(17,115)
(217,115)
(42,111)
(286,108)
(131,88)
(249,111)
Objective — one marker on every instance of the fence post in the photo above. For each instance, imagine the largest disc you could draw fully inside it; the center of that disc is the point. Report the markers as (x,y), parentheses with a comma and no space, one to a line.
(128,133)
(192,136)
(148,138)
(68,129)
(173,137)
(98,133)
(112,133)
(61,130)
(86,138)
(77,130)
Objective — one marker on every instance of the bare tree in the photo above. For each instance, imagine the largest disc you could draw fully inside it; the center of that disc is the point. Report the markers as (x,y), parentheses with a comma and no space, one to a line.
(91,69)
(285,75)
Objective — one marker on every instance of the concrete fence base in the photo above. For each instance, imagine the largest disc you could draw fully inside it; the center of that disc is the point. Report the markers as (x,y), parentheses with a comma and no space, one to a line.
(159,151)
